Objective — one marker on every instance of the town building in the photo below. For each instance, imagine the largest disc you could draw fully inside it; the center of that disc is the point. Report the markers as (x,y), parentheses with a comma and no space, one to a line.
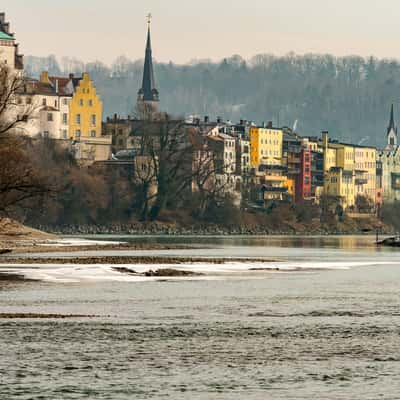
(390,160)
(9,52)
(350,172)
(266,145)
(67,109)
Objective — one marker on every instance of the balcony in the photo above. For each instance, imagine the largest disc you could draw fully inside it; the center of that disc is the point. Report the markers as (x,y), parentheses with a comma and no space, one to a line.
(361,181)
(274,178)
(273,189)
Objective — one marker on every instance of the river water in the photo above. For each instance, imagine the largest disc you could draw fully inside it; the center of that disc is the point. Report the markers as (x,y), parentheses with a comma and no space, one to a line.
(325,326)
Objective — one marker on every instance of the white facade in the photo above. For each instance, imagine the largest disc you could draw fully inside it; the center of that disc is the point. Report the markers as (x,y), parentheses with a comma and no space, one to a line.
(48,114)
(390,175)
(7,53)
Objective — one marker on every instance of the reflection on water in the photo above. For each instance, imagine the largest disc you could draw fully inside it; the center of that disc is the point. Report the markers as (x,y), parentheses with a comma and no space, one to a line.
(330,334)
(310,248)
(339,242)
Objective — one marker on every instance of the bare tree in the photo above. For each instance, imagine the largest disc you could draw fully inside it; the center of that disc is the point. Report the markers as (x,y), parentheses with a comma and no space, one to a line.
(19,179)
(13,114)
(180,163)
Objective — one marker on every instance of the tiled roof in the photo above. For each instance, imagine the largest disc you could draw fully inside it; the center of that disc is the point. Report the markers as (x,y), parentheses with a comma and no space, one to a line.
(37,87)
(63,82)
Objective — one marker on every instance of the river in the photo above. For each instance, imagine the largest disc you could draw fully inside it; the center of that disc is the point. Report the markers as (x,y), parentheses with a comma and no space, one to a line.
(326,325)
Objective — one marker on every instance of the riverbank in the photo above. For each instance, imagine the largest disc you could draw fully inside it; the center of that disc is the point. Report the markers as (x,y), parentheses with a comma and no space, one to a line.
(249,225)
(18,238)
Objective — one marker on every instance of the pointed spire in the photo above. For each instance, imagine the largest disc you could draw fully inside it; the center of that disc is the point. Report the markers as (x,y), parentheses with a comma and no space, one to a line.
(392,125)
(148,92)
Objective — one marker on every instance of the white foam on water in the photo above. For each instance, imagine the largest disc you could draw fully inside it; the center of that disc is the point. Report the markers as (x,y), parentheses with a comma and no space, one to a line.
(78,242)
(74,273)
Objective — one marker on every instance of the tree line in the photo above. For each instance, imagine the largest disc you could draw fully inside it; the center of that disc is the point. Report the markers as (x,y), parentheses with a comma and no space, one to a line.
(349,96)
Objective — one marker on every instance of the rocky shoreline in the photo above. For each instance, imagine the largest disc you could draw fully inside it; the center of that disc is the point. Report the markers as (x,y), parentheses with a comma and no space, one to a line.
(155,229)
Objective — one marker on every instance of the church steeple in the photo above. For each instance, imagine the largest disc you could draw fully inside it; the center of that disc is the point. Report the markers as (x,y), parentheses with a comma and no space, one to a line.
(392,125)
(148,94)
(392,132)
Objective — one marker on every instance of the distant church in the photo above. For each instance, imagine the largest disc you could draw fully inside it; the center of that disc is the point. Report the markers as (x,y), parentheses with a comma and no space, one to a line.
(391,133)
(390,159)
(148,94)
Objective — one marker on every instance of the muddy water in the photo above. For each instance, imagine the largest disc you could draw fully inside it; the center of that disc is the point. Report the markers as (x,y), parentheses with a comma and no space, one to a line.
(321,333)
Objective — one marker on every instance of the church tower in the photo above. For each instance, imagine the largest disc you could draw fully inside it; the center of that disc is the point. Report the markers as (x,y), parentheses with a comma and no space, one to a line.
(392,132)
(148,94)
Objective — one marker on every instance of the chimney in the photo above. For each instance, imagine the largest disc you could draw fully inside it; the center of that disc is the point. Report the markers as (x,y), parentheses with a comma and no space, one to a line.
(56,86)
(269,126)
(115,117)
(206,119)
(71,76)
(241,122)
(219,120)
(44,77)
(2,17)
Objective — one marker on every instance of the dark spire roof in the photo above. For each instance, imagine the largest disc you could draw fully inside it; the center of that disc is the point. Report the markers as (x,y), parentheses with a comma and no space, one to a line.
(148,92)
(392,125)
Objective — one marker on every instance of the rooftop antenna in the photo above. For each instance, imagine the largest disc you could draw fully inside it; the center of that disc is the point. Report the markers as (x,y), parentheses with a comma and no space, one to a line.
(149,18)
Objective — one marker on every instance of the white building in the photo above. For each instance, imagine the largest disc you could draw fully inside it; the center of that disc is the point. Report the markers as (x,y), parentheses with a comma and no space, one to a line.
(8,47)
(390,158)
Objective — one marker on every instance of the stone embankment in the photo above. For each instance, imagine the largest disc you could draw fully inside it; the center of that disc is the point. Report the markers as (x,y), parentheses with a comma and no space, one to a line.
(161,229)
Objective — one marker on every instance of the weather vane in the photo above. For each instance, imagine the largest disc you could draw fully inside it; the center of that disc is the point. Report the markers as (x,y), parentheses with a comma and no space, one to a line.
(149,17)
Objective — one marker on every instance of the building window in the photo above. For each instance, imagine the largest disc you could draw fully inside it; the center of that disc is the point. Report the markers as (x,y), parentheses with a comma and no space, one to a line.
(78,119)
(78,133)
(64,134)
(28,100)
(46,134)
(44,102)
(55,103)
(49,117)
(65,118)
(90,103)
(81,102)
(65,102)
(93,120)
(93,133)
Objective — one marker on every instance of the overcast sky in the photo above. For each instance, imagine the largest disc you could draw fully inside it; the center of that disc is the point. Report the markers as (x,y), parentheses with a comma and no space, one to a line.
(190,29)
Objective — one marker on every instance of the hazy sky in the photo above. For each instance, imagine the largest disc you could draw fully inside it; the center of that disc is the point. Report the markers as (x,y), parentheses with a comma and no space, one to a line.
(190,29)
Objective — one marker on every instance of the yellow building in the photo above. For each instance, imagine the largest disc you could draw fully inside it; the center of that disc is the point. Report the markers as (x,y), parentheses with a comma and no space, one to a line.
(339,184)
(80,116)
(265,146)
(85,110)
(365,172)
(350,170)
